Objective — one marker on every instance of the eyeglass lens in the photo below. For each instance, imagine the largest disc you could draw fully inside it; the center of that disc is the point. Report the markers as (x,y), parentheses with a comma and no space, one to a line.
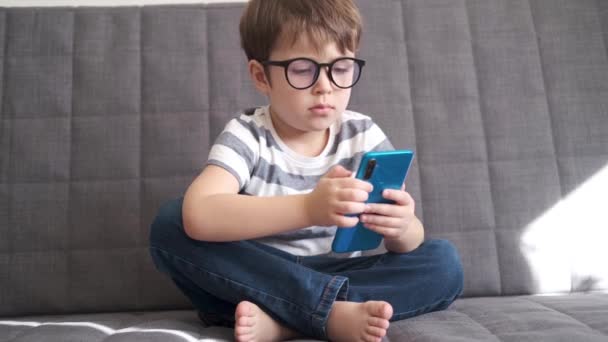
(303,73)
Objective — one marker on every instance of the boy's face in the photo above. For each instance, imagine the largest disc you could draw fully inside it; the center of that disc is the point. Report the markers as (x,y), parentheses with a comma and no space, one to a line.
(313,109)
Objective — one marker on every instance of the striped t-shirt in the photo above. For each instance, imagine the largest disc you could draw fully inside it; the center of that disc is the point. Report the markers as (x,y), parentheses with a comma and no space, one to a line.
(251,150)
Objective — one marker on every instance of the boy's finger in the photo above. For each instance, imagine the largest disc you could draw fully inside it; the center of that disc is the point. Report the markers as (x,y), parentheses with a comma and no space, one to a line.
(350,208)
(356,183)
(381,220)
(386,232)
(345,221)
(383,209)
(356,195)
(338,171)
(400,197)
(364,185)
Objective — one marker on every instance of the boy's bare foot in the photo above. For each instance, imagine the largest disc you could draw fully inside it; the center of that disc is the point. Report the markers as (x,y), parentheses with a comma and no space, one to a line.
(350,321)
(251,324)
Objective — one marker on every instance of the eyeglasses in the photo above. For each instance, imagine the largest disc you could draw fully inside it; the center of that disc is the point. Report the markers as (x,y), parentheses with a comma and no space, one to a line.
(302,73)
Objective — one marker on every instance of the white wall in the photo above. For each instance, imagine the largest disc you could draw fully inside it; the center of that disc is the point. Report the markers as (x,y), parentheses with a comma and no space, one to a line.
(20,3)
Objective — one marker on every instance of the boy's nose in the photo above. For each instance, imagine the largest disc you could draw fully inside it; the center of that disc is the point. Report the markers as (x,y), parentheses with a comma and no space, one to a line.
(323,84)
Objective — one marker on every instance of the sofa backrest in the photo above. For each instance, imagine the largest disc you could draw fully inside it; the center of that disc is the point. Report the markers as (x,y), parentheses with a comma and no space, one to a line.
(108,112)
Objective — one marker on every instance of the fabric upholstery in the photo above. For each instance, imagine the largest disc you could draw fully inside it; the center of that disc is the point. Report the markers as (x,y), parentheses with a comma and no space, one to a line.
(577,317)
(106,112)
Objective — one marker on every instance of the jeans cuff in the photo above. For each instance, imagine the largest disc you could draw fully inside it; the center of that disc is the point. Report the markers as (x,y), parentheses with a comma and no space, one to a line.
(336,289)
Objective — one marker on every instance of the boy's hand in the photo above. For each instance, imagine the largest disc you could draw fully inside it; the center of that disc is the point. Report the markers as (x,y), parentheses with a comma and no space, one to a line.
(336,195)
(391,220)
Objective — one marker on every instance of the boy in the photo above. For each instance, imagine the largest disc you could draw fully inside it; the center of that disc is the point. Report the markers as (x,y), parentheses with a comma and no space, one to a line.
(250,243)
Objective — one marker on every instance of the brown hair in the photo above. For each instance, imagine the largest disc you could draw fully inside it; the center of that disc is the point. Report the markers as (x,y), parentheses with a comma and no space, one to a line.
(264,22)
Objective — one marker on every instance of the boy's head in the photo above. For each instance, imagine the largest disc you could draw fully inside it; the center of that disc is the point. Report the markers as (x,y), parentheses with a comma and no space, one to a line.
(302,57)
(265,22)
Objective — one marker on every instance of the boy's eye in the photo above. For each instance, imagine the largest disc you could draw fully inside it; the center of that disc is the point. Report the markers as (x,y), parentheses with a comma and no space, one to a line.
(342,67)
(301,71)
(341,70)
(301,67)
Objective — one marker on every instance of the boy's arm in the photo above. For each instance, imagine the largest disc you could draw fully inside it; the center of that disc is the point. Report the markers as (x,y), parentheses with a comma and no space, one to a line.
(410,240)
(214,211)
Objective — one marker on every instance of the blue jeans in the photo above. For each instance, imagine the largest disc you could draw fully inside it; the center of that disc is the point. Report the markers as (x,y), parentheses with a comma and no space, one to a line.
(299,291)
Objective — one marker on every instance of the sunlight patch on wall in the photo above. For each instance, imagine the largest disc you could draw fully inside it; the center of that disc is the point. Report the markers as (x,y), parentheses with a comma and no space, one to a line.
(567,246)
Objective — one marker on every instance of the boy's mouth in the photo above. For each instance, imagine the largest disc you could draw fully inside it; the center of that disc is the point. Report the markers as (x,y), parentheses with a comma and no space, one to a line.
(321,108)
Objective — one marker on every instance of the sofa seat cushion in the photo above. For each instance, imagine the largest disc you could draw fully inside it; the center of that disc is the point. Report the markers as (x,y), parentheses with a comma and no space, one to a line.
(161,326)
(575,317)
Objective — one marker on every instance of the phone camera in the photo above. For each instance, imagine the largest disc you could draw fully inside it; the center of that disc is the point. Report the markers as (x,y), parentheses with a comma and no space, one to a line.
(370,169)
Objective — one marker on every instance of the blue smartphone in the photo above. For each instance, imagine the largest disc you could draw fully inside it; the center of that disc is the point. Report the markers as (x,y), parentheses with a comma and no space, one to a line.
(384,170)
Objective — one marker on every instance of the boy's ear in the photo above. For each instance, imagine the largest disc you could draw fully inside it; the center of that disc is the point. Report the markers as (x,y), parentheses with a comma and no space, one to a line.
(258,76)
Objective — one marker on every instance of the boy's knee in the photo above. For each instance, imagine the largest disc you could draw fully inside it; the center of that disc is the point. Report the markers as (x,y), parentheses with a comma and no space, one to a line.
(449,264)
(169,217)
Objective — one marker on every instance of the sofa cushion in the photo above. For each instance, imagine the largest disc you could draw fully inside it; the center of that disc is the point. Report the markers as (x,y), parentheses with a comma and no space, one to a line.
(576,317)
(162,326)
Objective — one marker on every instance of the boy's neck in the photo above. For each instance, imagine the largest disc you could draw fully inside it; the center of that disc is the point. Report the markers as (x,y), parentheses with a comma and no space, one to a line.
(307,144)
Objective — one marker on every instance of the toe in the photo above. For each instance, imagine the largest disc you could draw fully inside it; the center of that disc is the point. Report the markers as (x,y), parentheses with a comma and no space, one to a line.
(245,308)
(242,337)
(245,321)
(385,311)
(375,331)
(380,309)
(242,330)
(369,338)
(378,322)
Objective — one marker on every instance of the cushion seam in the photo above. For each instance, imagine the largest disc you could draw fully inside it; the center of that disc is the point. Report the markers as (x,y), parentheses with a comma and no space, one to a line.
(546,89)
(479,324)
(564,314)
(411,93)
(486,143)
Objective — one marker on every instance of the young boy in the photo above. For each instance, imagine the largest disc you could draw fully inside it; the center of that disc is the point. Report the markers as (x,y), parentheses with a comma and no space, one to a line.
(249,244)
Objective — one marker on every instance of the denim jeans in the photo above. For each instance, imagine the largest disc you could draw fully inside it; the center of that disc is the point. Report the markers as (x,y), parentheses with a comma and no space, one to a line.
(299,291)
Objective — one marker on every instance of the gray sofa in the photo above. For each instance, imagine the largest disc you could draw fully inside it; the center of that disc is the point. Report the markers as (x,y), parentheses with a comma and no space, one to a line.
(108,112)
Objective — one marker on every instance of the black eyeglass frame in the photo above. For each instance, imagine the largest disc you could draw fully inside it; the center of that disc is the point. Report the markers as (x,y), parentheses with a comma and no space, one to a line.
(285,64)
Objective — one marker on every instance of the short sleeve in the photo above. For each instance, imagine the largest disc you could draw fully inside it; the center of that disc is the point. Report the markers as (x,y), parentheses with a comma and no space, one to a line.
(379,140)
(235,150)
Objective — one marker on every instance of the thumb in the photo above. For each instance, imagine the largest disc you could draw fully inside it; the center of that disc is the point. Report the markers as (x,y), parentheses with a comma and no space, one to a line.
(337,172)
